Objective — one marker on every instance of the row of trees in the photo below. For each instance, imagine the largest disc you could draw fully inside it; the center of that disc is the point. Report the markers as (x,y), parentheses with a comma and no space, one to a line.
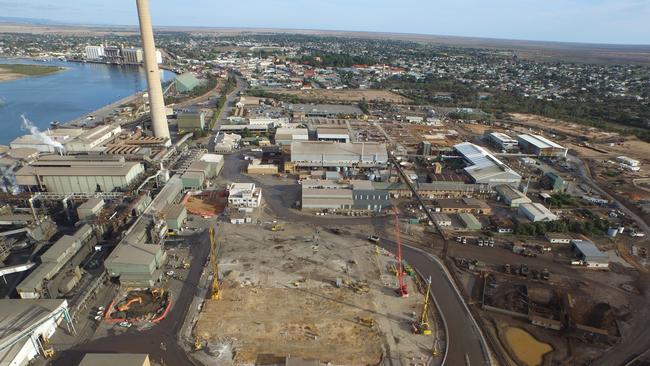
(588,227)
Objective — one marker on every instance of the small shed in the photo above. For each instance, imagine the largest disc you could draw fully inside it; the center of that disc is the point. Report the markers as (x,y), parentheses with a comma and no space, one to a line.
(470,221)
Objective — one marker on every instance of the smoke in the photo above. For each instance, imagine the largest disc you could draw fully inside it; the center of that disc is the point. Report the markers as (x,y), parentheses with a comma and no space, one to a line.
(29,126)
(8,183)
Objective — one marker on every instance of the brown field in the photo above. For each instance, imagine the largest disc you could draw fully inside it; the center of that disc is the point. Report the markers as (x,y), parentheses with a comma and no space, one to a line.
(311,323)
(347,95)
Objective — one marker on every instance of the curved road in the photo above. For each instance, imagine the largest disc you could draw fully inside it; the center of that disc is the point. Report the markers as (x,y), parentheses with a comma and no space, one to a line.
(463,336)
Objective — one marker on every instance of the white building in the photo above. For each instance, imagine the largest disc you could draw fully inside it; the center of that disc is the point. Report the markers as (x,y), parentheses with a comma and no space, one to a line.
(244,195)
(629,163)
(485,168)
(159,58)
(94,53)
(24,324)
(502,141)
(536,212)
(226,142)
(285,136)
(333,134)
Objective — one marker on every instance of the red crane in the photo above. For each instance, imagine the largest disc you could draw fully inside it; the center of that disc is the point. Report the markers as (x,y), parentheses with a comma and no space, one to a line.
(402,291)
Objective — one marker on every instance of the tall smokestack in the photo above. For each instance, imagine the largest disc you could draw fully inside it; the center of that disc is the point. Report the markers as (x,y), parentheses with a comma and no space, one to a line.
(156,101)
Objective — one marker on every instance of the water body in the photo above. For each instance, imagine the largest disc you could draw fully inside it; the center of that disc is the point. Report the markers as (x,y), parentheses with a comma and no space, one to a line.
(65,95)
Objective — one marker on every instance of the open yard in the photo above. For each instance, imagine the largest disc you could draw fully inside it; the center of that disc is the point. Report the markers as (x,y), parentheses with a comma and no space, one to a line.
(309,294)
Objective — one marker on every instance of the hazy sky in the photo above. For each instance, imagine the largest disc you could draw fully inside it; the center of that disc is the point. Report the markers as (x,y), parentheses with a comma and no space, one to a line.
(599,21)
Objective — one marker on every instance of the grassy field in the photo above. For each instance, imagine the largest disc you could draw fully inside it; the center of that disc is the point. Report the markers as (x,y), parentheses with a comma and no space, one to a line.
(17,71)
(29,70)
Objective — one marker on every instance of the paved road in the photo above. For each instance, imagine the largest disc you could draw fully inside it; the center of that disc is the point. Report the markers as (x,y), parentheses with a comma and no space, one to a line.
(166,332)
(463,338)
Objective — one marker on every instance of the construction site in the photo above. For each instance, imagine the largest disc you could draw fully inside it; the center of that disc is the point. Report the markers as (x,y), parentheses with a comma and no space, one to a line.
(295,290)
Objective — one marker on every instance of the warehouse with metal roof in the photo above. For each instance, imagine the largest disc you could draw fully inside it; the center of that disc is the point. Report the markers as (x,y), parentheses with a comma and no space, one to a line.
(484,168)
(79,174)
(337,154)
(25,323)
(541,146)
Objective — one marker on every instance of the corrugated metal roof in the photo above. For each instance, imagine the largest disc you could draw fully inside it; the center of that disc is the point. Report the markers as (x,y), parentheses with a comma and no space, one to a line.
(540,141)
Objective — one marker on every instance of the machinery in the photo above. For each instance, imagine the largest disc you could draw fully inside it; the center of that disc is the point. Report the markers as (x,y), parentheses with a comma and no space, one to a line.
(216,290)
(126,306)
(422,326)
(402,291)
(277,227)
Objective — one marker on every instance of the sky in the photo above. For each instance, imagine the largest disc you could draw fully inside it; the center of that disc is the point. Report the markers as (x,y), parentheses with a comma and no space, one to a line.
(591,21)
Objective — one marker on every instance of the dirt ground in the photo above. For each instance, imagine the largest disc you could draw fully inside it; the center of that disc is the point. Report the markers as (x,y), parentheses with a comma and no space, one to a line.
(279,297)
(356,95)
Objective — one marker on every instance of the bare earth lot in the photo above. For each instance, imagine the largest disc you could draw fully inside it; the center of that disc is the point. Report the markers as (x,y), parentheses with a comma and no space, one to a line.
(279,298)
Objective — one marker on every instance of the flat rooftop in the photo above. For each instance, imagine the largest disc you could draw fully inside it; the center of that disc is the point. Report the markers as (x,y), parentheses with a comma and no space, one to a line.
(540,141)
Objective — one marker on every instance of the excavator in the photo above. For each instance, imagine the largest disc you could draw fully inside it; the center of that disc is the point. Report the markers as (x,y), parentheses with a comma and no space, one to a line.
(127,305)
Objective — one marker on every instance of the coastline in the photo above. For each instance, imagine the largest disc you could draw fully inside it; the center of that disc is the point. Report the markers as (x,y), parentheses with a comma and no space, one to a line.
(7,75)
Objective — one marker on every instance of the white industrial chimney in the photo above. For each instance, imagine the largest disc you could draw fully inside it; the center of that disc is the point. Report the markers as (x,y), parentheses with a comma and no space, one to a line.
(156,100)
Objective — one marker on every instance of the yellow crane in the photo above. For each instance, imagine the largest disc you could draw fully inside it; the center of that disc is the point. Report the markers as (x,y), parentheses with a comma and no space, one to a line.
(216,290)
(422,326)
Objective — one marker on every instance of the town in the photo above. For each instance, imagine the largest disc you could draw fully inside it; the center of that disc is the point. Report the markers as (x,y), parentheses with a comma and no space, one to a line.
(291,199)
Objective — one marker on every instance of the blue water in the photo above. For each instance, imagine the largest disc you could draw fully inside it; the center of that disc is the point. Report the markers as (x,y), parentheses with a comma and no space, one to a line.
(65,95)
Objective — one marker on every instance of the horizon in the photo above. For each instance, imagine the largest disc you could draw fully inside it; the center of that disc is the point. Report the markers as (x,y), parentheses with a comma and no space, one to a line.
(575,21)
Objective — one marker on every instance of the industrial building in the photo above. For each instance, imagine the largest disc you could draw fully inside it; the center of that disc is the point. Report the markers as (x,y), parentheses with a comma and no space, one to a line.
(132,56)
(189,120)
(441,220)
(326,199)
(226,143)
(484,168)
(115,359)
(332,134)
(49,141)
(93,139)
(94,53)
(58,272)
(541,146)
(175,216)
(589,254)
(244,195)
(136,264)
(434,189)
(367,198)
(216,163)
(138,257)
(536,212)
(90,208)
(470,221)
(459,205)
(324,110)
(629,163)
(502,141)
(79,174)
(26,324)
(553,182)
(335,154)
(510,196)
(193,180)
(185,83)
(285,136)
